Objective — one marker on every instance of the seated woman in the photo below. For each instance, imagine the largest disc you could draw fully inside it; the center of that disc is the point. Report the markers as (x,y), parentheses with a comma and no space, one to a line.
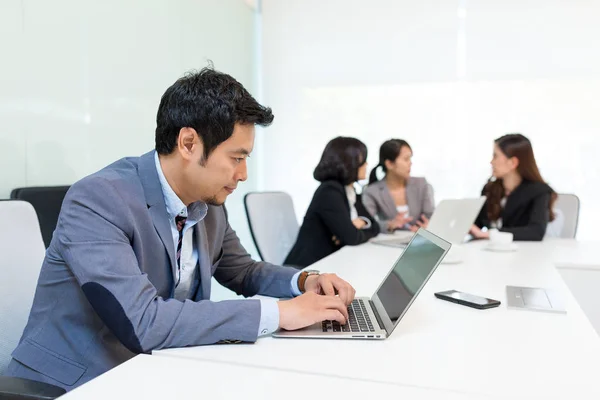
(399,201)
(335,216)
(518,199)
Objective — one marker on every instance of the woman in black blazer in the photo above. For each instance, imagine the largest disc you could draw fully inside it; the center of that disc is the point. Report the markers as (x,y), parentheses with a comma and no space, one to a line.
(336,216)
(518,199)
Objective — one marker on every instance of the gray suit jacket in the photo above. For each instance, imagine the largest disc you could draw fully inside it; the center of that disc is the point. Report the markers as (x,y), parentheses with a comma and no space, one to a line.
(378,200)
(106,285)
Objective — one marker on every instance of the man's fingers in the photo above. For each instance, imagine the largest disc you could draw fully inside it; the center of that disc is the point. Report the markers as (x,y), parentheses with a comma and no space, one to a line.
(327,287)
(335,315)
(335,303)
(344,293)
(347,289)
(350,292)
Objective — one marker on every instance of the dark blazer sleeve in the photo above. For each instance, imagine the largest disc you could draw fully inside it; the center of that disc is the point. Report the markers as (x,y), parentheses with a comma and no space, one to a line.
(538,220)
(482,219)
(333,211)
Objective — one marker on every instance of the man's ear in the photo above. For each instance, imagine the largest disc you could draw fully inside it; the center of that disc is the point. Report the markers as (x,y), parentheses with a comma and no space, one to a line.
(189,143)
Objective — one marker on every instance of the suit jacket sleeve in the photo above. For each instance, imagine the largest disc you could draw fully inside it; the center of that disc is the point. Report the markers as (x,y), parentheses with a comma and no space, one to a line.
(95,243)
(482,219)
(538,220)
(363,212)
(240,273)
(333,211)
(428,200)
(369,202)
(370,205)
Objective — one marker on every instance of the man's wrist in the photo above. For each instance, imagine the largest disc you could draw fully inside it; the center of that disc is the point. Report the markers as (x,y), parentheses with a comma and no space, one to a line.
(294,284)
(303,277)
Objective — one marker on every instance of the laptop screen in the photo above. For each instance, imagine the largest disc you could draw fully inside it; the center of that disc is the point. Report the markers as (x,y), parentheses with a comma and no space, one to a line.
(410,272)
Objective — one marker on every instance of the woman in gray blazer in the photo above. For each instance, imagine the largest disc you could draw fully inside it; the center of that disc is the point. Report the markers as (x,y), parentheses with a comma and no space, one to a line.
(398,201)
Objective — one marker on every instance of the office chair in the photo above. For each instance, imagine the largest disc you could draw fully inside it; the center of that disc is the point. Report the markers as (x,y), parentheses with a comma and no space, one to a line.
(46,200)
(566,209)
(21,255)
(273,224)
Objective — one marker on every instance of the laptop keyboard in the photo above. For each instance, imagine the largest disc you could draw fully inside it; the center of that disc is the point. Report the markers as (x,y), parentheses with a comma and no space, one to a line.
(358,321)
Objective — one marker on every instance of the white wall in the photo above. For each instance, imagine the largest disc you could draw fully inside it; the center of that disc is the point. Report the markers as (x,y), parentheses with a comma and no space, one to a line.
(448,76)
(81,80)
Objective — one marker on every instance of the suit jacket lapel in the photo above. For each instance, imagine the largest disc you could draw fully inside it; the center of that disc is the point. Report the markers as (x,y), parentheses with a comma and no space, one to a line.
(161,224)
(204,261)
(387,200)
(156,205)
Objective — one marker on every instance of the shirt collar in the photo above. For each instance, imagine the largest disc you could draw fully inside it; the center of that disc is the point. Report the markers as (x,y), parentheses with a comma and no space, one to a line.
(195,212)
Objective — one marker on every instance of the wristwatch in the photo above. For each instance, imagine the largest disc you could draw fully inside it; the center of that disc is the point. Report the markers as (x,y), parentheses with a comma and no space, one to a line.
(303,276)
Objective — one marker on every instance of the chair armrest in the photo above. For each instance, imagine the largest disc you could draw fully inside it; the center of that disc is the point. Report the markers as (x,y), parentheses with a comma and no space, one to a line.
(26,389)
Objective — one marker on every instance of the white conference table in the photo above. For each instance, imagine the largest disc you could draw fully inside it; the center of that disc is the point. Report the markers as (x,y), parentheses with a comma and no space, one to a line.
(150,377)
(579,265)
(440,345)
(571,253)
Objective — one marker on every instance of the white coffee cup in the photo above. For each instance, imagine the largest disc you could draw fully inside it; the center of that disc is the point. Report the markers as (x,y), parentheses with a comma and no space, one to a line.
(500,240)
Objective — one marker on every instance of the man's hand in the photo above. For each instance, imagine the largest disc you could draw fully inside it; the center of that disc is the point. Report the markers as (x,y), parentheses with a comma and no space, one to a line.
(330,285)
(309,309)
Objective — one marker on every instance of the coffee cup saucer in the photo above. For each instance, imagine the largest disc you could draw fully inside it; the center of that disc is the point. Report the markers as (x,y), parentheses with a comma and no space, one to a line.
(501,247)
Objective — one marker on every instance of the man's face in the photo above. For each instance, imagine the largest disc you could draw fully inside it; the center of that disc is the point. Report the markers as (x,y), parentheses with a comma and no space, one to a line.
(212,180)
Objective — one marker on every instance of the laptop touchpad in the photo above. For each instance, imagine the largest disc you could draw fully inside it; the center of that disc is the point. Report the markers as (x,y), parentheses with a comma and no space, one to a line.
(535,298)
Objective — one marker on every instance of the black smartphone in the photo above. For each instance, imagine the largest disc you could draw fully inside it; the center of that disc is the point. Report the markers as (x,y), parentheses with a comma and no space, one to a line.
(467,299)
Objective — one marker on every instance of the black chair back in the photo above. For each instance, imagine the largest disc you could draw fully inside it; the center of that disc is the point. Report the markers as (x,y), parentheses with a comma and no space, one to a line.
(47,201)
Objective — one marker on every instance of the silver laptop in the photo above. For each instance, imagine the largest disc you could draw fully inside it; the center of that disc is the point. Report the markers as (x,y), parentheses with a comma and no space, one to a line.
(451,220)
(535,299)
(376,318)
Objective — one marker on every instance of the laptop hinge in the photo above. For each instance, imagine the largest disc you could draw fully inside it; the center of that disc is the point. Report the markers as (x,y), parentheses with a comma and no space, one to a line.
(379,321)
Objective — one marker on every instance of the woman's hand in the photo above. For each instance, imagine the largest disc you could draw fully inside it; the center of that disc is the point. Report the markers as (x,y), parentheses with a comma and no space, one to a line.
(422,223)
(399,221)
(477,233)
(359,223)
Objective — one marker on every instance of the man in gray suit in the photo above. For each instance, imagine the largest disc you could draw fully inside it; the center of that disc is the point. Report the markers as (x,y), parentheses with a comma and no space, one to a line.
(129,267)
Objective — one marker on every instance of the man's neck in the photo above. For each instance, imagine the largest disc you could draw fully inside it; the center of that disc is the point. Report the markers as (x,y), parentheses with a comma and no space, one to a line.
(169,166)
